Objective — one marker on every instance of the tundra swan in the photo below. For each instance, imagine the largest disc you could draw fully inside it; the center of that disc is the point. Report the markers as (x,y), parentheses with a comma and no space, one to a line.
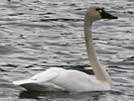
(75,80)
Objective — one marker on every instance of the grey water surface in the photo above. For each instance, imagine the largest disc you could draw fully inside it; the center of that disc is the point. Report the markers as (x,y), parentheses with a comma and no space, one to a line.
(39,34)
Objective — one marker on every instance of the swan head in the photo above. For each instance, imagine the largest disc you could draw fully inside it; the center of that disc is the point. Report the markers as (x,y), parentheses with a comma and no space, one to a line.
(96,13)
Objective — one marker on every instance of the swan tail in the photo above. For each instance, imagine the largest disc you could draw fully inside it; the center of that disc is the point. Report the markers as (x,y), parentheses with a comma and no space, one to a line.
(22,82)
(29,85)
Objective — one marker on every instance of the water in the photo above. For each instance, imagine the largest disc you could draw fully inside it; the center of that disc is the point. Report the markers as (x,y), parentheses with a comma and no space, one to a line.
(39,34)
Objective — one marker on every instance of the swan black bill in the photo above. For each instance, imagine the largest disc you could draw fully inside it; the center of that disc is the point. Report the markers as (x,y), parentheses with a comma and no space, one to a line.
(106,15)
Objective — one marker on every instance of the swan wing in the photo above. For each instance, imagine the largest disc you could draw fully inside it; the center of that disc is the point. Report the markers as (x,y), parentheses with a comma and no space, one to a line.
(45,76)
(41,81)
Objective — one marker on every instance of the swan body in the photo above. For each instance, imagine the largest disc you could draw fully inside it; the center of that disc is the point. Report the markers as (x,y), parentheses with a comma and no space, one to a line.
(65,80)
(73,80)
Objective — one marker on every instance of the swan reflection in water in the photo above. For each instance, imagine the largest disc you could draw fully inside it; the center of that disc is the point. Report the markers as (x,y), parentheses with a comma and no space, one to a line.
(92,96)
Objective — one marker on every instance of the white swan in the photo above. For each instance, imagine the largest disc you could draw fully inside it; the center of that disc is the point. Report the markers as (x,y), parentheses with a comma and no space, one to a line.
(74,80)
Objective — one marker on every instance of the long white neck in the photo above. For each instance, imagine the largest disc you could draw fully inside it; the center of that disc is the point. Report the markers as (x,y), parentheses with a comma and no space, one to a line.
(100,72)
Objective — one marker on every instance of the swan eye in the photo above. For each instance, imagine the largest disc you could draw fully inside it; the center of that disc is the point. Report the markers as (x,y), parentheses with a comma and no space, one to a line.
(100,10)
